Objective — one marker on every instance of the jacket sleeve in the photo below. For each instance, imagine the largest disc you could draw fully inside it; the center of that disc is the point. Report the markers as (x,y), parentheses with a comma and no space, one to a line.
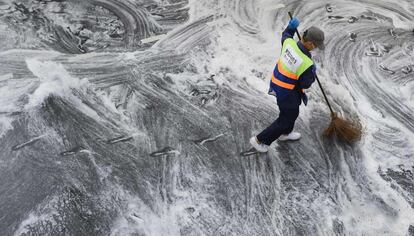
(287,33)
(307,78)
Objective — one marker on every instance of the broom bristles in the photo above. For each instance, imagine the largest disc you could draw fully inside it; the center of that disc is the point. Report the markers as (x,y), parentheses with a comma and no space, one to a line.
(344,130)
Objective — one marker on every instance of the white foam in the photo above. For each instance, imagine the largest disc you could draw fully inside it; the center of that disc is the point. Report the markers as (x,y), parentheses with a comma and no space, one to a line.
(54,80)
(138,218)
(11,91)
(5,125)
(43,213)
(407,92)
(243,56)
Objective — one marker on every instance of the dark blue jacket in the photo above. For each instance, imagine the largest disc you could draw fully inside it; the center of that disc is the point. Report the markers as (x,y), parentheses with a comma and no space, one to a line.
(305,80)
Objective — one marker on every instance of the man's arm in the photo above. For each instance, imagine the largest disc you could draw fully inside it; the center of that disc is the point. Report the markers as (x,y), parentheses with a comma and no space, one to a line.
(289,32)
(307,78)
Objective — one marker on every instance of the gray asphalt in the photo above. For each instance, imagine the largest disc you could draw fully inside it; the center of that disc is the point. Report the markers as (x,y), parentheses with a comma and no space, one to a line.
(152,139)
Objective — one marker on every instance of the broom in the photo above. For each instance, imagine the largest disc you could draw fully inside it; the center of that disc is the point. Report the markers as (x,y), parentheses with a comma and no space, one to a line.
(343,129)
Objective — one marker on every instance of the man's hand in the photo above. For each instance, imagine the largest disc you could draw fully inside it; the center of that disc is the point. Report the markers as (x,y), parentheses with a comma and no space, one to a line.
(293,23)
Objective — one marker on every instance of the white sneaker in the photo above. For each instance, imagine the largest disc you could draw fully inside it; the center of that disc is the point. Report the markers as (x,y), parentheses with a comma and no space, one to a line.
(260,147)
(293,136)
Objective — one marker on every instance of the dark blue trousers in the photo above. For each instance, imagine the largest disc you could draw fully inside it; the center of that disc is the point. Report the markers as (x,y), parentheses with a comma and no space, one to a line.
(283,125)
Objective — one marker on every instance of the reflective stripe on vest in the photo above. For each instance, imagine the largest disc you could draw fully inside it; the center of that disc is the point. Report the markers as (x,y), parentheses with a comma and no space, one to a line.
(291,65)
(286,73)
(282,84)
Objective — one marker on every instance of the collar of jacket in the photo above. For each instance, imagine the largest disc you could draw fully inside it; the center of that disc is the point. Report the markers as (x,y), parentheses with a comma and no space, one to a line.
(304,50)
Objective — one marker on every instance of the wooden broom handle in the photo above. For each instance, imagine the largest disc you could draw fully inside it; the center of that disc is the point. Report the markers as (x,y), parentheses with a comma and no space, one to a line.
(316,76)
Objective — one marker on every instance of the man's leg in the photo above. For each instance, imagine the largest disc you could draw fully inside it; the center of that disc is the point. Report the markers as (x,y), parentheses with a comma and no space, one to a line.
(284,123)
(293,114)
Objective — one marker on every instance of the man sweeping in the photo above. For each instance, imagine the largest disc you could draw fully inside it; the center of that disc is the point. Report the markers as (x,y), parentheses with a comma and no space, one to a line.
(294,72)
